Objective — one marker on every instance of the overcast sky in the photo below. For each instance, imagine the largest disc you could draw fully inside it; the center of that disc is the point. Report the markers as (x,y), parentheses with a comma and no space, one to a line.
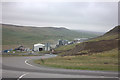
(91,16)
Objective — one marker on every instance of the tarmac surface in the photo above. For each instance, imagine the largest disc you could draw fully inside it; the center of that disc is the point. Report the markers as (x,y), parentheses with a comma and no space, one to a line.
(23,67)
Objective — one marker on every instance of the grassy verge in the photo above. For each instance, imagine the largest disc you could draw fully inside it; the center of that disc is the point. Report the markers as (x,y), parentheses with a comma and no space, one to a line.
(105,61)
(43,52)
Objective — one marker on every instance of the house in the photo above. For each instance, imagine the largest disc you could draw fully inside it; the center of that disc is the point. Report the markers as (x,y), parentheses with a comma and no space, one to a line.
(39,47)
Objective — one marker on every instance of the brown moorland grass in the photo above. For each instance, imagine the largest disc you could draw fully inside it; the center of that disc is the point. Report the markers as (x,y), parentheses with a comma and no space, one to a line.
(105,61)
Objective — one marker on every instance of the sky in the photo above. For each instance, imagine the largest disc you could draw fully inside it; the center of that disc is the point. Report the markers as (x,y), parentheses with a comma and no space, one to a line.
(90,16)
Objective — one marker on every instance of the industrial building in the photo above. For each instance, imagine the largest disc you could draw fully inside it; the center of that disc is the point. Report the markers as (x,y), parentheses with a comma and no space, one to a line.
(62,42)
(42,47)
(47,47)
(78,40)
(38,47)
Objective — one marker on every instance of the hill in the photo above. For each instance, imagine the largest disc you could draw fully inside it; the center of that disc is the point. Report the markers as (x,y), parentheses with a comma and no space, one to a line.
(100,53)
(114,31)
(27,35)
(106,42)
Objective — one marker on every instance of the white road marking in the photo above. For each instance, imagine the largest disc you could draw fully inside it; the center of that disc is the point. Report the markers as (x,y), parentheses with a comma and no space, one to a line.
(26,62)
(22,76)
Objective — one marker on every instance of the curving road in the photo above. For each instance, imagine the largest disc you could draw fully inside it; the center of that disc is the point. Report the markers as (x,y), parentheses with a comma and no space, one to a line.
(22,67)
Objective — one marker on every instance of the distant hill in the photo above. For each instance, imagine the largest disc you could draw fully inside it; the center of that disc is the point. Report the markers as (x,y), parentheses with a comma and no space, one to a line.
(25,35)
(97,33)
(106,42)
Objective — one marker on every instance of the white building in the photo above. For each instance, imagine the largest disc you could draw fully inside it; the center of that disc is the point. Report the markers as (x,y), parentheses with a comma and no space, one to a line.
(38,47)
(78,40)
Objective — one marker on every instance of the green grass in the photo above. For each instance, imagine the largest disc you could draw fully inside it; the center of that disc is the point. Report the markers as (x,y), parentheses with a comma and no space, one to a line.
(105,61)
(112,54)
(112,34)
(12,35)
(43,52)
(105,37)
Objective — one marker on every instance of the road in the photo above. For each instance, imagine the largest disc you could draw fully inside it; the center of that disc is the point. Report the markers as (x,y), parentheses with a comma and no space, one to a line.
(22,67)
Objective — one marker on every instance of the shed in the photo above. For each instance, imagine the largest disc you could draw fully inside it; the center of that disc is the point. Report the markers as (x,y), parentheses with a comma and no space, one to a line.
(38,47)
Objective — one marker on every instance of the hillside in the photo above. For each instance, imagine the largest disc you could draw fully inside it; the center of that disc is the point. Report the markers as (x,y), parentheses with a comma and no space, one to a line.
(112,34)
(100,53)
(106,42)
(114,31)
(25,35)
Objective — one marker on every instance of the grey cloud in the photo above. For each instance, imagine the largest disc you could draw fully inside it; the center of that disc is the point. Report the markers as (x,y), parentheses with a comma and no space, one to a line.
(73,15)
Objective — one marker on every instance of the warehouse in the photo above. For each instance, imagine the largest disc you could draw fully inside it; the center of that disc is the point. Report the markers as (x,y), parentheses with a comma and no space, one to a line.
(38,47)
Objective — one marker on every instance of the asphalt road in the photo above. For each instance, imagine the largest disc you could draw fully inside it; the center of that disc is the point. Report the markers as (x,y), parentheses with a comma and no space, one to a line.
(22,67)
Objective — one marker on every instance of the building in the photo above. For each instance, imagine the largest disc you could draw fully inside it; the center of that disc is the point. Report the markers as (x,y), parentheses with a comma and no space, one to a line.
(60,42)
(70,42)
(47,47)
(65,42)
(78,40)
(39,47)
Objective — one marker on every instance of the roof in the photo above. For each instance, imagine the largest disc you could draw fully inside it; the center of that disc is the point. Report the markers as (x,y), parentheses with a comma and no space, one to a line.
(39,44)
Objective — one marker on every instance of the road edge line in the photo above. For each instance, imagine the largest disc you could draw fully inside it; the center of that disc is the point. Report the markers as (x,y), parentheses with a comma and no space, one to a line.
(26,62)
(22,76)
